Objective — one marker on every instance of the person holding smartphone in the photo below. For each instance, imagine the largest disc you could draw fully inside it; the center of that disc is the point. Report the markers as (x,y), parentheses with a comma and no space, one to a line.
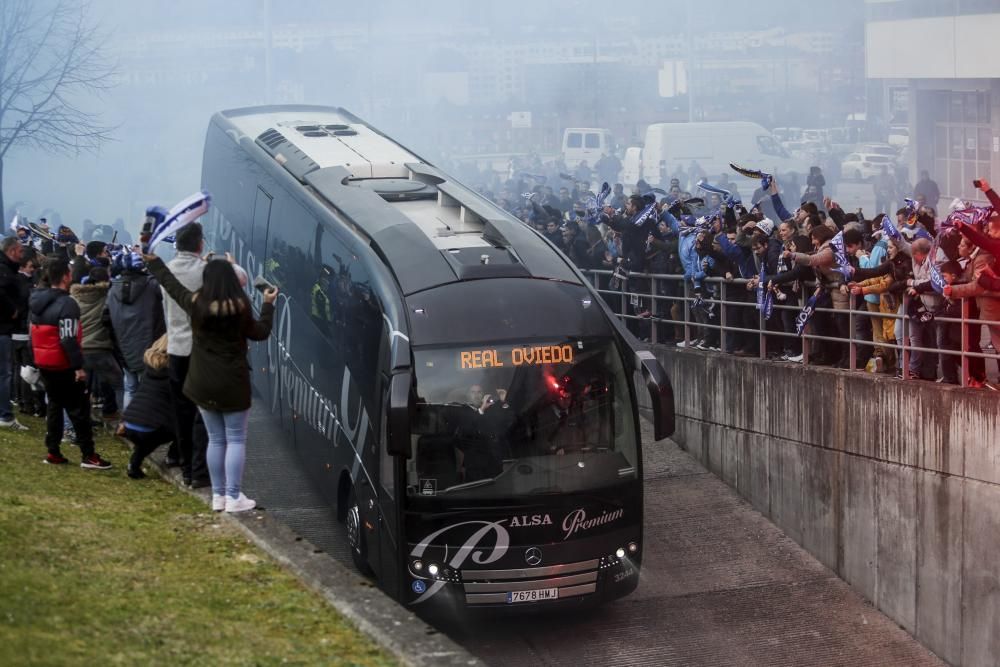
(218,377)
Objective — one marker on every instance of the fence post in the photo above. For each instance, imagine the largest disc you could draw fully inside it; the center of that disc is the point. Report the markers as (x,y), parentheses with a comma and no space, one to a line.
(654,307)
(687,314)
(803,300)
(723,309)
(904,338)
(964,380)
(852,351)
(761,338)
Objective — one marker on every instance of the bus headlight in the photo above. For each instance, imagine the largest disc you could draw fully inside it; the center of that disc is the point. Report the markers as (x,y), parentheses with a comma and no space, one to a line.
(620,553)
(418,565)
(432,569)
(633,548)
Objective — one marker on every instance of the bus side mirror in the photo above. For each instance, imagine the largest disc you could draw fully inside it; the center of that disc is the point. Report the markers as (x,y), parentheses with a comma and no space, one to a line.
(399,415)
(661,394)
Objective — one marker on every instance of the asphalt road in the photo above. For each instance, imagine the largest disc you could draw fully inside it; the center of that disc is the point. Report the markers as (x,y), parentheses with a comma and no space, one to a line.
(720,584)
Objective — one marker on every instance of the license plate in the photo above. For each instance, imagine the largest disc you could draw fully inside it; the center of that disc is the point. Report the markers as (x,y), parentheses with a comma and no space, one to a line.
(533,596)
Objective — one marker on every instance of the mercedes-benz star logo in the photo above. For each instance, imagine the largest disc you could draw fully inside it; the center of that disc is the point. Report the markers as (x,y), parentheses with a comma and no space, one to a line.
(533,556)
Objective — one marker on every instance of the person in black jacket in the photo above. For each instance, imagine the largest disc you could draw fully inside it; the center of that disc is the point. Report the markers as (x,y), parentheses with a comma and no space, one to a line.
(56,339)
(135,307)
(12,305)
(146,424)
(575,246)
(29,400)
(787,284)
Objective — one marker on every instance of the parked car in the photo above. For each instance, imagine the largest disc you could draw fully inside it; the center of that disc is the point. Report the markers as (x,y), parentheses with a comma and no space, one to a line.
(899,136)
(864,166)
(878,149)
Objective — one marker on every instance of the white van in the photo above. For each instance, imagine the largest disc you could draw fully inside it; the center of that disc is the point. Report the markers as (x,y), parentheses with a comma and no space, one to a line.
(585,143)
(713,146)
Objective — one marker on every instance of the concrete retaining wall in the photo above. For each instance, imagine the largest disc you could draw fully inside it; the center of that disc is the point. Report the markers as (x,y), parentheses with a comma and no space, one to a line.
(895,486)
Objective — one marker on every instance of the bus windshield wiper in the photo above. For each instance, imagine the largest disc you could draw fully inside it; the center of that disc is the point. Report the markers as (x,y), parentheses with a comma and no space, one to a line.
(468,485)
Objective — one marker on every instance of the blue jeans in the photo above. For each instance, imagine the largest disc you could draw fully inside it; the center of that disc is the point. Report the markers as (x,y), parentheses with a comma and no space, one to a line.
(227,449)
(131,386)
(6,363)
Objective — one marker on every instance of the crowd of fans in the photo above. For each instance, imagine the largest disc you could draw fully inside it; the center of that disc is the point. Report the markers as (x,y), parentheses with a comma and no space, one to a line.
(99,335)
(918,266)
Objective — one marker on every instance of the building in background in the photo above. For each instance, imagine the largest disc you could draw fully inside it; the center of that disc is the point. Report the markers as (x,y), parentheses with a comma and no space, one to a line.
(935,68)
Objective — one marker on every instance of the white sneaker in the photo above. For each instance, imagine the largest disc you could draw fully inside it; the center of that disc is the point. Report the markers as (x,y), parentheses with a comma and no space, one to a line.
(241,504)
(218,503)
(693,343)
(13,425)
(796,359)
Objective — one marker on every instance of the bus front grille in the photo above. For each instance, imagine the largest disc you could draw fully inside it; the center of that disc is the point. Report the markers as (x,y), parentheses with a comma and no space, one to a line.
(493,586)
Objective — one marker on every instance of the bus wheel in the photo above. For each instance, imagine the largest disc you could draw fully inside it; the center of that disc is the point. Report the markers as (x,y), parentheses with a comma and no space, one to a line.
(355,538)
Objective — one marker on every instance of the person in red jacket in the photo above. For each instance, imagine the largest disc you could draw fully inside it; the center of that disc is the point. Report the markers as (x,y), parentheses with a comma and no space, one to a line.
(56,338)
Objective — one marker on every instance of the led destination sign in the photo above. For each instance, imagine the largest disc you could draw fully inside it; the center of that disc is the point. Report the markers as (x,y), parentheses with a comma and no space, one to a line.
(535,355)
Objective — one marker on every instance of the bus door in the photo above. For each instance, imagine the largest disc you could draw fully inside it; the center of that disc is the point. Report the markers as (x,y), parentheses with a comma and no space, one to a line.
(259,357)
(389,495)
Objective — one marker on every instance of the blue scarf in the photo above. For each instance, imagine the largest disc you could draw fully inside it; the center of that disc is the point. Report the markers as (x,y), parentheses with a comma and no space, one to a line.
(803,318)
(765,297)
(843,266)
(890,229)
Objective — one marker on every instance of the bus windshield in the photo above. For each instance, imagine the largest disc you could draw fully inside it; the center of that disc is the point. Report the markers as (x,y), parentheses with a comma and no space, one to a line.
(498,421)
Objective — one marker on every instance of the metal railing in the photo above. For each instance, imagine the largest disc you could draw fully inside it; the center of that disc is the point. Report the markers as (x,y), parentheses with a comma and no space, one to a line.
(770,331)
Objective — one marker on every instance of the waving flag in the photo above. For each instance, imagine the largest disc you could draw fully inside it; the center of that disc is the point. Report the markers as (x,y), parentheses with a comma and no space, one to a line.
(185,212)
(974,216)
(15,223)
(603,195)
(840,256)
(803,317)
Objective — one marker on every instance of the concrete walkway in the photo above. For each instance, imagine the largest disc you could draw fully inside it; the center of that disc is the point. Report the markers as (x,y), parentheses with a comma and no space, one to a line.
(721,585)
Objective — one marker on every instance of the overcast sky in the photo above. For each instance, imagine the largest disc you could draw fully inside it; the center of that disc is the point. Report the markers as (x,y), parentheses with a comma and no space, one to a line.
(162,108)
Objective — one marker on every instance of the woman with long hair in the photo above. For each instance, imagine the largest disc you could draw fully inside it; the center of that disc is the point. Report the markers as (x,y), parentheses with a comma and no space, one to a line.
(218,380)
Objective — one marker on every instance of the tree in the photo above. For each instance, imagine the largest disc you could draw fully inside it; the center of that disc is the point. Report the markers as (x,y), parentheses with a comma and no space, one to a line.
(50,58)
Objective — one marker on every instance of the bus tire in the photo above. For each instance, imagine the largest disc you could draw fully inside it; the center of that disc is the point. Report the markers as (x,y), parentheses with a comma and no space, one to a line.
(356,537)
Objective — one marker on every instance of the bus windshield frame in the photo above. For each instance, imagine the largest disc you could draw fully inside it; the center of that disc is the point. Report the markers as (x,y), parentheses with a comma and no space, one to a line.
(510,420)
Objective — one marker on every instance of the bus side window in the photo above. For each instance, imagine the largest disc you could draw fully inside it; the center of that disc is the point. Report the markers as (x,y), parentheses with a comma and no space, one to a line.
(288,260)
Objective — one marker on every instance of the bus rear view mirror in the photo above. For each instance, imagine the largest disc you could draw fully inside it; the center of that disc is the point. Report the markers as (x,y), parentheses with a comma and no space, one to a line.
(661,394)
(399,415)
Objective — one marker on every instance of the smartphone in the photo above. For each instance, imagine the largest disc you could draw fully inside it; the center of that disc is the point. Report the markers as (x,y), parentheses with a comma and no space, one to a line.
(261,284)
(978,184)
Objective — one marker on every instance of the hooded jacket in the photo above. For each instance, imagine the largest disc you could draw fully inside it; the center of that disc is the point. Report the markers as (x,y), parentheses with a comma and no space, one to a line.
(97,335)
(135,306)
(188,268)
(147,405)
(56,334)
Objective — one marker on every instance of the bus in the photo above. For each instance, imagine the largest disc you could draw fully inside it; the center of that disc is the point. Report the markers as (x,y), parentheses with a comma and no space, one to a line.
(455,388)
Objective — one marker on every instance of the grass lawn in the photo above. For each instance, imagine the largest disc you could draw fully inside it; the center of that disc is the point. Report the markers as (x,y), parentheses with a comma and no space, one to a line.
(99,569)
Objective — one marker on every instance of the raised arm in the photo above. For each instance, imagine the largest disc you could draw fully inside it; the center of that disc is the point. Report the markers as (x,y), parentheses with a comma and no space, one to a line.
(182,295)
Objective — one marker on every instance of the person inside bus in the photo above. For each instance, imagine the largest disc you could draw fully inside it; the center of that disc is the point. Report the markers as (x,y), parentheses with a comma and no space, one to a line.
(483,436)
(562,424)
(218,380)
